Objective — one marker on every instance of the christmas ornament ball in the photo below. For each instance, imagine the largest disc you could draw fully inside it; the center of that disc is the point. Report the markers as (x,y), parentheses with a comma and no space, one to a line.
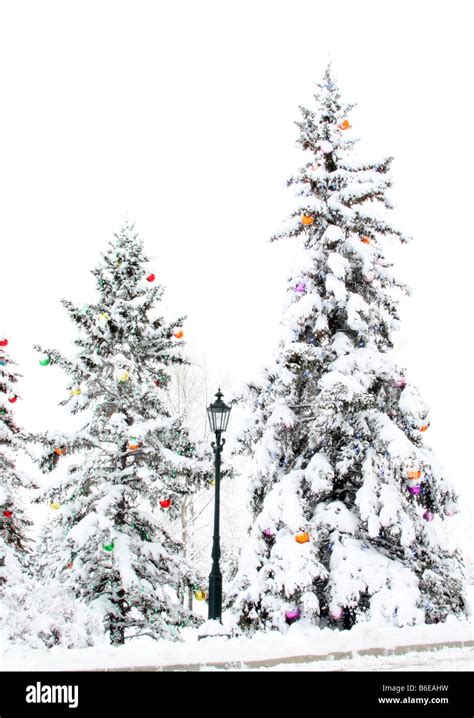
(300,288)
(400,383)
(425,427)
(369,277)
(151,277)
(75,391)
(8,514)
(200,595)
(69,565)
(12,398)
(414,490)
(54,505)
(302,537)
(336,613)
(428,515)
(121,375)
(345,125)
(108,546)
(133,444)
(179,334)
(165,503)
(3,362)
(326,147)
(307,220)
(292,615)
(45,360)
(365,240)
(59,450)
(268,533)
(3,342)
(414,474)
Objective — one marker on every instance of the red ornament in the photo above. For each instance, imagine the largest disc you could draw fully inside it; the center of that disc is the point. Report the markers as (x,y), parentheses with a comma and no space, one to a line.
(151,278)
(3,342)
(69,565)
(165,503)
(8,514)
(12,398)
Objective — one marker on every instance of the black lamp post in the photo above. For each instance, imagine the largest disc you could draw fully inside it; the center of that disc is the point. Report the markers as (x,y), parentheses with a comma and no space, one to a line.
(218,414)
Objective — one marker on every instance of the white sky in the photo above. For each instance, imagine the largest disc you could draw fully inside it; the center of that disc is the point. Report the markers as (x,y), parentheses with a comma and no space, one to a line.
(180,115)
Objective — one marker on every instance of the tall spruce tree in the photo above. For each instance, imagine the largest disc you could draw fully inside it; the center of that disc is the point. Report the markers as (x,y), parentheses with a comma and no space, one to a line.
(106,544)
(347,500)
(14,522)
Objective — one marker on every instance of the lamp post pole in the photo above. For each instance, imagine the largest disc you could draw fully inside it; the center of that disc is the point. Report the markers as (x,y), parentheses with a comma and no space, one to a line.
(218,414)
(215,577)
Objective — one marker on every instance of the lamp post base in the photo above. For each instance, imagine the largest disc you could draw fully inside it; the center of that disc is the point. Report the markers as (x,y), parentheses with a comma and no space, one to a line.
(213,629)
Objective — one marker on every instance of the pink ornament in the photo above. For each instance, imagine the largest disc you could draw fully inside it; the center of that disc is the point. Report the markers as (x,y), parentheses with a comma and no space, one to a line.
(268,533)
(449,512)
(300,288)
(450,509)
(414,490)
(326,147)
(336,614)
(392,412)
(369,277)
(428,516)
(400,383)
(292,615)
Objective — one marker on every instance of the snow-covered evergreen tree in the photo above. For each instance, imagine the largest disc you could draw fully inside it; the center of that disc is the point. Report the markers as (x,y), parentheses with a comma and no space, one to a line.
(348,502)
(106,544)
(14,523)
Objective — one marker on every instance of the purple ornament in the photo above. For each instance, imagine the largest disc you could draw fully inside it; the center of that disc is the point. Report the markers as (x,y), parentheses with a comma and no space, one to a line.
(400,383)
(268,533)
(292,615)
(300,288)
(336,614)
(428,516)
(392,412)
(414,490)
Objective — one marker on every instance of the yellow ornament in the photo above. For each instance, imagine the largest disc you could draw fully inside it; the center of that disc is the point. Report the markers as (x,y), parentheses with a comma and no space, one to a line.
(121,375)
(76,391)
(54,505)
(200,595)
(212,482)
(103,317)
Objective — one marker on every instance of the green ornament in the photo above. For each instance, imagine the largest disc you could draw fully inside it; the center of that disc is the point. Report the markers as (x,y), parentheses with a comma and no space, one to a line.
(108,546)
(45,361)
(3,411)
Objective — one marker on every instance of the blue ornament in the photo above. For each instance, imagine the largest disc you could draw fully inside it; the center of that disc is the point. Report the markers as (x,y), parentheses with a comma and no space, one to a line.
(3,363)
(364,547)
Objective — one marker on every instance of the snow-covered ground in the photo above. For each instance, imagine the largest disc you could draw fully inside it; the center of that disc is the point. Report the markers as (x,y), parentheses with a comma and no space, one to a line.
(448,646)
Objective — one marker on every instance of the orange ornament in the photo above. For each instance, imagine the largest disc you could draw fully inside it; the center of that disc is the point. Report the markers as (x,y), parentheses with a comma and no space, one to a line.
(365,240)
(302,538)
(414,474)
(345,125)
(133,444)
(425,427)
(307,220)
(59,451)
(179,334)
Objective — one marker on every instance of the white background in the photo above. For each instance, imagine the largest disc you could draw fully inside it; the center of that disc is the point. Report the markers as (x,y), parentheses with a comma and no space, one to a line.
(181,116)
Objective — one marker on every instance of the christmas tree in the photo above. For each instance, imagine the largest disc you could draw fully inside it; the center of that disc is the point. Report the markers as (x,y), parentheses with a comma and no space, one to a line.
(14,541)
(112,541)
(348,502)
